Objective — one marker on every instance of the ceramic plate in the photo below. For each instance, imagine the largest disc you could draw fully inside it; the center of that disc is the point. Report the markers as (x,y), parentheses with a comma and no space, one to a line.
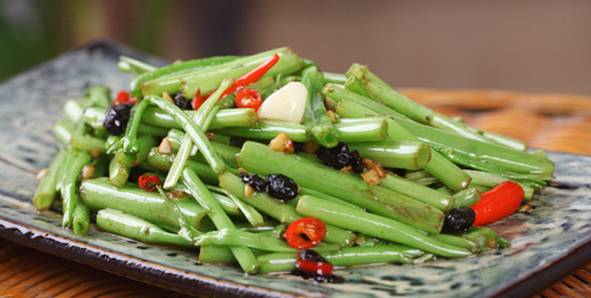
(545,246)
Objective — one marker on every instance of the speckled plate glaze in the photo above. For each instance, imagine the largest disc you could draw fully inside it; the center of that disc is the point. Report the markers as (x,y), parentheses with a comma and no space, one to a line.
(545,246)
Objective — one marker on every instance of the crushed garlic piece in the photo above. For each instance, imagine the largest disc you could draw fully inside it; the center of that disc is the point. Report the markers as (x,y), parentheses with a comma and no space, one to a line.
(177,194)
(165,147)
(371,177)
(372,165)
(332,116)
(282,143)
(346,169)
(248,190)
(166,96)
(87,172)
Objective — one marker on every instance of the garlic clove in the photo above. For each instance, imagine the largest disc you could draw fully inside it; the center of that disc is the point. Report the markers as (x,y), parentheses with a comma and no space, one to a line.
(286,104)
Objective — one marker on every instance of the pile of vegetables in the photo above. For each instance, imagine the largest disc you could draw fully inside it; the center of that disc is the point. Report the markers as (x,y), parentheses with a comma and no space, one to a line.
(267,162)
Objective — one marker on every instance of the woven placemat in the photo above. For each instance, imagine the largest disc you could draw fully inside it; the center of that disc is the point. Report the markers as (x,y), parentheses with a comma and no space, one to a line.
(554,122)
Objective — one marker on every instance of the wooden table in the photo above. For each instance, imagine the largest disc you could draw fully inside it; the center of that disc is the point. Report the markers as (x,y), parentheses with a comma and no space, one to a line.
(553,122)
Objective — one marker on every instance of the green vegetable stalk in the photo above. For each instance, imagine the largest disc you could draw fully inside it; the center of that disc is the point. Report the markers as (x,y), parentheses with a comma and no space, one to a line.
(349,256)
(47,188)
(315,118)
(127,225)
(260,159)
(408,155)
(375,225)
(99,194)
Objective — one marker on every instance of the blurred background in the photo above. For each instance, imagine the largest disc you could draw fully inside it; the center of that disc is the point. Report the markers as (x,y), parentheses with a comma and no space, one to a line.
(525,45)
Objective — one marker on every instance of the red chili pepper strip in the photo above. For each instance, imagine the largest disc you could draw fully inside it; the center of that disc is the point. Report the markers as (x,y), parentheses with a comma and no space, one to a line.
(123,98)
(252,76)
(305,233)
(320,268)
(148,182)
(248,98)
(198,100)
(498,203)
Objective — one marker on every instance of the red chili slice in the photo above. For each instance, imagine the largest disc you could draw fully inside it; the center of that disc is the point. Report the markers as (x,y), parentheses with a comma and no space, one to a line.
(498,203)
(198,100)
(320,268)
(148,182)
(123,98)
(305,233)
(248,98)
(252,76)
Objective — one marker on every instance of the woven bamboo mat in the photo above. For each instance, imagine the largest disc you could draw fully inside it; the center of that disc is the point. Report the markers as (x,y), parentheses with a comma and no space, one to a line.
(553,122)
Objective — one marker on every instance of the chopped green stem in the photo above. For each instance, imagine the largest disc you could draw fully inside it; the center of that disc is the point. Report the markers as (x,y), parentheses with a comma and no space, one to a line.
(418,192)
(357,130)
(177,68)
(444,189)
(235,117)
(318,194)
(215,254)
(207,79)
(315,118)
(129,141)
(348,256)
(235,237)
(194,131)
(87,143)
(187,230)
(260,159)
(490,180)
(100,194)
(349,104)
(81,220)
(152,130)
(267,130)
(128,64)
(73,110)
(121,164)
(486,238)
(130,226)
(383,93)
(336,78)
(250,213)
(457,241)
(179,163)
(163,162)
(361,130)
(506,141)
(483,153)
(63,131)
(281,212)
(227,152)
(118,170)
(466,197)
(408,155)
(70,195)
(203,119)
(199,191)
(459,149)
(98,96)
(227,204)
(47,189)
(375,225)
(94,116)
